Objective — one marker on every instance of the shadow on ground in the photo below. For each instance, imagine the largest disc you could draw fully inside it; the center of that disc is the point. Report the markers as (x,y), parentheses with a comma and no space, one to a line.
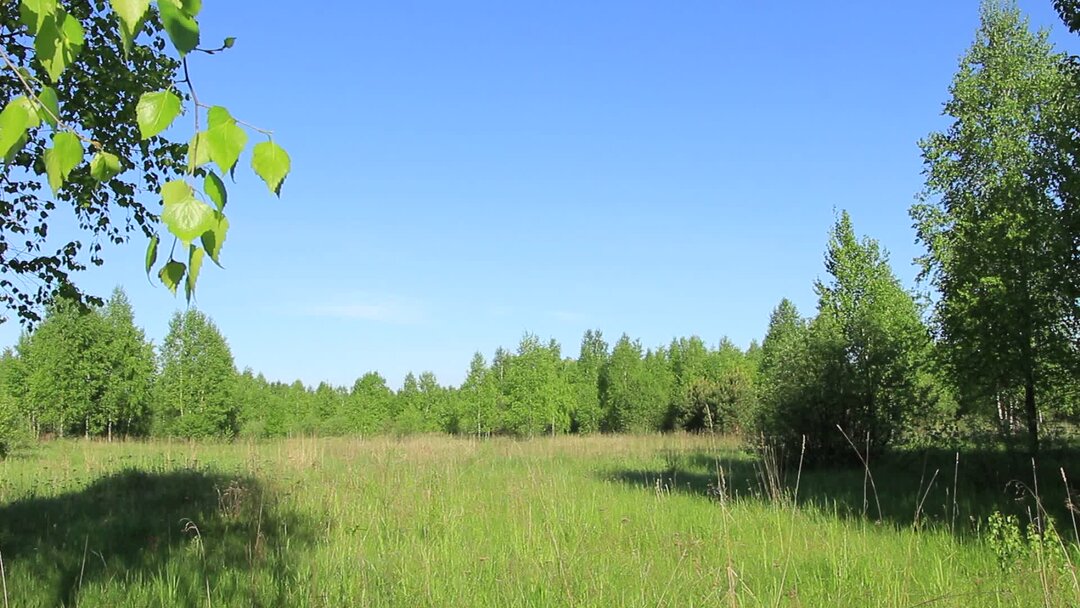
(956,490)
(137,526)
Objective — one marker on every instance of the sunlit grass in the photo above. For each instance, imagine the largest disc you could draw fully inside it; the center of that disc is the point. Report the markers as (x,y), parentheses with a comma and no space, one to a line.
(434,521)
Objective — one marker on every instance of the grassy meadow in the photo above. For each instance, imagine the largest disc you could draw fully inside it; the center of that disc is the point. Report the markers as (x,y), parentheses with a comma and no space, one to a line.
(569,521)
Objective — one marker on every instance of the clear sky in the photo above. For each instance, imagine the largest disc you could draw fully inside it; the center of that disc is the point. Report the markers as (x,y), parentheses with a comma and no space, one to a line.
(464,172)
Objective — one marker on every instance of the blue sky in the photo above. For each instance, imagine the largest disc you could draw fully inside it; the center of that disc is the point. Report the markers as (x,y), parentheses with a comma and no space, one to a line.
(465,172)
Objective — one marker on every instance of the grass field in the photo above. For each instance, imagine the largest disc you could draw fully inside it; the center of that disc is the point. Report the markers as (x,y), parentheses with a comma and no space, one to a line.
(433,521)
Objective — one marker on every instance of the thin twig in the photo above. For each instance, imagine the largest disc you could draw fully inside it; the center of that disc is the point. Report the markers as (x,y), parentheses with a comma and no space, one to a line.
(265,132)
(194,95)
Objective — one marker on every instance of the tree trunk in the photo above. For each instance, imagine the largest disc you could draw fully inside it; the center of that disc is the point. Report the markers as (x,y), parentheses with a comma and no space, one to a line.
(1032,413)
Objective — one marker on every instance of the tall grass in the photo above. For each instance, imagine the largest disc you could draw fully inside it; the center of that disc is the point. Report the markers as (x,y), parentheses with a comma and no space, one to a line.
(570,521)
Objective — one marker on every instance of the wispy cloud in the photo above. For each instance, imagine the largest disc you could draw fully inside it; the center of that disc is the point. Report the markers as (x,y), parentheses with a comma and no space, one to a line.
(567,316)
(371,308)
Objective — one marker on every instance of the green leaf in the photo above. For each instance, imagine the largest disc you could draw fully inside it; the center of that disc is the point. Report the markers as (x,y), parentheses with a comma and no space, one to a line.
(181,27)
(156,111)
(10,156)
(198,151)
(214,238)
(195,260)
(65,155)
(175,190)
(104,166)
(229,42)
(271,163)
(219,115)
(131,13)
(184,215)
(14,121)
(33,12)
(215,189)
(171,274)
(151,254)
(59,39)
(191,7)
(226,139)
(50,106)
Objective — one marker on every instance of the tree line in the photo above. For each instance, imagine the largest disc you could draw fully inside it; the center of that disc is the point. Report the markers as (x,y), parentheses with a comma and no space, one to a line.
(993,349)
(865,369)
(89,371)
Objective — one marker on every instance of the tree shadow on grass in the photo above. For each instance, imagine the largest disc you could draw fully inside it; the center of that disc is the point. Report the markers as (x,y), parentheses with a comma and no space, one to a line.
(947,489)
(136,526)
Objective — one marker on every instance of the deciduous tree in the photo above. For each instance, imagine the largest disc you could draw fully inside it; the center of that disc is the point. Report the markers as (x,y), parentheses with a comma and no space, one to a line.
(90,90)
(195,396)
(1001,245)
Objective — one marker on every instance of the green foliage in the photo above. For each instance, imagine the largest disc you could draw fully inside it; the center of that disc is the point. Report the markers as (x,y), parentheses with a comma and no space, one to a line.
(536,391)
(635,388)
(585,381)
(104,166)
(477,399)
(408,416)
(195,391)
(130,13)
(225,141)
(65,369)
(124,404)
(1069,10)
(369,407)
(179,22)
(1000,242)
(156,111)
(14,428)
(117,96)
(12,425)
(61,158)
(85,371)
(1017,547)
(272,164)
(857,365)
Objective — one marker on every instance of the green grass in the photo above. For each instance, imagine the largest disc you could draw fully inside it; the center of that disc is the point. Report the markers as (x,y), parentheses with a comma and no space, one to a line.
(432,521)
